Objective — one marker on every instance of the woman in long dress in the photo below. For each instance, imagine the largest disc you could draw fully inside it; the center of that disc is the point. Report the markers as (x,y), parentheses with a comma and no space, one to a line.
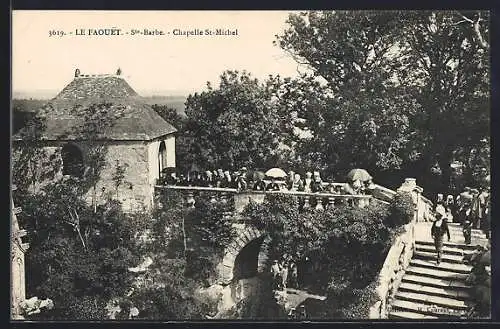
(438,230)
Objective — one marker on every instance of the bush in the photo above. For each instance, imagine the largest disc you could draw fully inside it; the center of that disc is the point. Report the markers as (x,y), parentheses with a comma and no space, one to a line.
(169,295)
(401,210)
(208,226)
(261,305)
(346,246)
(356,303)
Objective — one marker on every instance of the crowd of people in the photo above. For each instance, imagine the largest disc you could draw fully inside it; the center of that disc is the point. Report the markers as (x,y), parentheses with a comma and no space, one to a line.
(284,274)
(245,179)
(480,279)
(471,209)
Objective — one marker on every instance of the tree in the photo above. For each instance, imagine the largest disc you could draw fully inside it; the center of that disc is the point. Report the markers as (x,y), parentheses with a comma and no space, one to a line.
(364,121)
(407,89)
(79,253)
(236,124)
(170,115)
(450,72)
(31,163)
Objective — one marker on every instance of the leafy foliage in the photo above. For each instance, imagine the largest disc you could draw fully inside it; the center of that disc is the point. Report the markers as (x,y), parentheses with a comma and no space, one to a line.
(345,245)
(74,262)
(236,124)
(364,120)
(169,295)
(401,210)
(210,231)
(401,90)
(352,304)
(80,254)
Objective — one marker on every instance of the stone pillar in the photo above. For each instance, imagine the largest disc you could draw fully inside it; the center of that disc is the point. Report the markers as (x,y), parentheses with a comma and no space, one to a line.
(223,197)
(18,248)
(319,204)
(419,214)
(306,202)
(410,186)
(190,200)
(331,202)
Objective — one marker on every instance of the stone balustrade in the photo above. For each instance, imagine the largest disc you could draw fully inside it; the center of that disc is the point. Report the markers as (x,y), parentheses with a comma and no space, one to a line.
(399,255)
(426,208)
(390,276)
(241,198)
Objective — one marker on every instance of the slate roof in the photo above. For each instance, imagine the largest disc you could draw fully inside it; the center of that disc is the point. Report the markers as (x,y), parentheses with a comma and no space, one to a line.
(64,117)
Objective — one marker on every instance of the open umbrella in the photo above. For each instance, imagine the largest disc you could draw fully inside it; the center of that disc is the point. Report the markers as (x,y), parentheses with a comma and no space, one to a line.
(359,174)
(276,173)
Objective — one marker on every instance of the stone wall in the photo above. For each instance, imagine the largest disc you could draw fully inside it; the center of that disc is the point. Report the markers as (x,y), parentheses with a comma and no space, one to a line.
(241,200)
(245,234)
(153,150)
(135,191)
(142,169)
(399,256)
(390,276)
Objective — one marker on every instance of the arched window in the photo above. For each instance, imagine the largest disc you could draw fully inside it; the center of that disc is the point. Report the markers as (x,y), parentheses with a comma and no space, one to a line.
(162,156)
(72,160)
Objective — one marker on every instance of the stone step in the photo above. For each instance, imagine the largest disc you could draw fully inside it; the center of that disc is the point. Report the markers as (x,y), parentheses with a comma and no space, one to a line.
(425,309)
(452,244)
(441,292)
(418,254)
(410,315)
(459,236)
(436,273)
(459,227)
(474,233)
(453,228)
(430,300)
(455,235)
(451,267)
(433,282)
(446,249)
(457,239)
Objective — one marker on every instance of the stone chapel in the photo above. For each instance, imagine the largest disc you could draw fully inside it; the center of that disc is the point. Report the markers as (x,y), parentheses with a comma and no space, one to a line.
(139,139)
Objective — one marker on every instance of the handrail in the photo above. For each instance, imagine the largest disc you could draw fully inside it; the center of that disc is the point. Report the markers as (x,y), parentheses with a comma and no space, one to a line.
(385,189)
(381,201)
(426,200)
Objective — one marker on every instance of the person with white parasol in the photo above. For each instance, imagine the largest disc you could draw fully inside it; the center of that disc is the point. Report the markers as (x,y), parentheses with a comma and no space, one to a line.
(278,177)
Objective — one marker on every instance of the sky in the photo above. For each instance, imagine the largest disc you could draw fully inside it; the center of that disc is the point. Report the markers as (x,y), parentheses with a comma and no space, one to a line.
(152,64)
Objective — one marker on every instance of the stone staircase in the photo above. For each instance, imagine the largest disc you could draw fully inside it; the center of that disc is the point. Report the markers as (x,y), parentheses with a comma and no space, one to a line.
(429,291)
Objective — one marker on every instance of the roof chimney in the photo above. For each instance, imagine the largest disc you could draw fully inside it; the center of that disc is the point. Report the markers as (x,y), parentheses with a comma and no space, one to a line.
(77,73)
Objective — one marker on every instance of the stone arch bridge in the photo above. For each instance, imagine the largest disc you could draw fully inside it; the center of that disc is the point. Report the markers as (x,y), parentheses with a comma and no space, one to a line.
(247,256)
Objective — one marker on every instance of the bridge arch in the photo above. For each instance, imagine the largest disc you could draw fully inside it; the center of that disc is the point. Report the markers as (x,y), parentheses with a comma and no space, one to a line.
(247,254)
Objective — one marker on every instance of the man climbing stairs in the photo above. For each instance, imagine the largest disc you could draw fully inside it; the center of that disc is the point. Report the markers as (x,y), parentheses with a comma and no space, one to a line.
(431,291)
